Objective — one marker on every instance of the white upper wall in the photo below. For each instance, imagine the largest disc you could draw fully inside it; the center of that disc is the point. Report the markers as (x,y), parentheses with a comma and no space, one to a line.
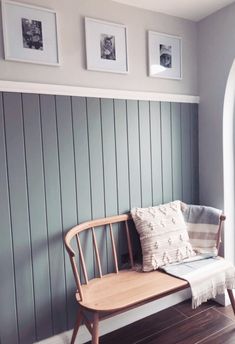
(73,72)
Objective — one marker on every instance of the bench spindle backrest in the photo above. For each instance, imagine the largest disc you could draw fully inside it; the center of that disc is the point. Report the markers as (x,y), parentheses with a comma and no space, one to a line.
(91,226)
(113,248)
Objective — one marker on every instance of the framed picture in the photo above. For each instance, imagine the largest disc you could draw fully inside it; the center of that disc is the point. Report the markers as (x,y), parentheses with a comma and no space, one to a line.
(165,52)
(106,46)
(30,33)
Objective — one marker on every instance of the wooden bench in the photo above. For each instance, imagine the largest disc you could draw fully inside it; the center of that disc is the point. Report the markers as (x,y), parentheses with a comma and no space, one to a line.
(118,291)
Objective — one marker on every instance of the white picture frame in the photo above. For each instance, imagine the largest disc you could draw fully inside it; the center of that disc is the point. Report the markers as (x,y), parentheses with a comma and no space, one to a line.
(106,46)
(30,33)
(165,55)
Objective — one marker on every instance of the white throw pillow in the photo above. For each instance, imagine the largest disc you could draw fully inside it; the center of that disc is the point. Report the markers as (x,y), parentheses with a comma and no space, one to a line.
(163,235)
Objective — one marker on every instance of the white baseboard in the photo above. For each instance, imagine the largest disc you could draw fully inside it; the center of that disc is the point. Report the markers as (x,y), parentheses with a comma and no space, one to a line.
(123,319)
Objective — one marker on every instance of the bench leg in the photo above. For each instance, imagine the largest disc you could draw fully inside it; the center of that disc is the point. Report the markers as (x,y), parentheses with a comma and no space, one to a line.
(76,326)
(232,300)
(95,329)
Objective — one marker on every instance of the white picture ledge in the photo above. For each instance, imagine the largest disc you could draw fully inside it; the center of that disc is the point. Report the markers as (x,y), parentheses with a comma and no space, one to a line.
(27,87)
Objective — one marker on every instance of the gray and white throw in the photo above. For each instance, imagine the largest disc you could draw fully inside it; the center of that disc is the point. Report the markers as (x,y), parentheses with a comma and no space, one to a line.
(203,227)
(207,278)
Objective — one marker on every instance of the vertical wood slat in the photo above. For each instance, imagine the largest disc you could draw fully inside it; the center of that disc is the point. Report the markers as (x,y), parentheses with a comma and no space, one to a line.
(129,244)
(122,162)
(96,252)
(97,173)
(8,317)
(19,207)
(122,166)
(82,259)
(145,154)
(68,188)
(133,153)
(37,213)
(166,151)
(186,152)
(156,152)
(176,151)
(194,154)
(133,130)
(110,169)
(82,175)
(52,177)
(114,248)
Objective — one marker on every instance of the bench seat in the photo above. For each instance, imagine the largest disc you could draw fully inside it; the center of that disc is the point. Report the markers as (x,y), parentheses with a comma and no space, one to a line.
(114,291)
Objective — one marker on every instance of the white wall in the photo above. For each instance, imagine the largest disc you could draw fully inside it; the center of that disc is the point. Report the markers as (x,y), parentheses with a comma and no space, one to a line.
(216,37)
(71,15)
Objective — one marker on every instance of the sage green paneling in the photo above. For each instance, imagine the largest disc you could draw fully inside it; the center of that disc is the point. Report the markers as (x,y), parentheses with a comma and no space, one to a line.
(97,174)
(110,175)
(65,160)
(8,315)
(122,156)
(145,154)
(122,166)
(81,157)
(53,211)
(186,153)
(109,157)
(194,153)
(166,152)
(15,149)
(156,152)
(68,189)
(37,214)
(176,151)
(133,135)
(82,173)
(133,153)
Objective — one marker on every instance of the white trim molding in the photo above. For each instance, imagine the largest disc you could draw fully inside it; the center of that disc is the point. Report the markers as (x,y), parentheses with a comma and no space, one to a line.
(28,87)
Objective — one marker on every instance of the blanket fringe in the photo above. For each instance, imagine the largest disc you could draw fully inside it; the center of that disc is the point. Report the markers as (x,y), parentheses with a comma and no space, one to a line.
(213,292)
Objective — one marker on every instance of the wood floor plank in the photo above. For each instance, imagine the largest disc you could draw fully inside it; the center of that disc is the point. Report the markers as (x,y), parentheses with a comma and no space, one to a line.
(226,336)
(143,328)
(208,324)
(228,311)
(186,307)
(191,330)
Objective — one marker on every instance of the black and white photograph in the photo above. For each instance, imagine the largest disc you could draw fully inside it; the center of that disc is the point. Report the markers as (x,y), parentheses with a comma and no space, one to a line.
(32,34)
(165,55)
(107,47)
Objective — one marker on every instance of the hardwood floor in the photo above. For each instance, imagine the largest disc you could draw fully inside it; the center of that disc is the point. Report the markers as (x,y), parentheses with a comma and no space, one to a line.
(210,323)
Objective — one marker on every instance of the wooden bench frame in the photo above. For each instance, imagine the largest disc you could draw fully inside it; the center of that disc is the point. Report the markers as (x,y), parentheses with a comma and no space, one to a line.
(119,291)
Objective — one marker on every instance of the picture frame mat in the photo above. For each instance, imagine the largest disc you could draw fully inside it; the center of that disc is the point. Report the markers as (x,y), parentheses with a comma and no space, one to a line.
(176,44)
(94,61)
(29,56)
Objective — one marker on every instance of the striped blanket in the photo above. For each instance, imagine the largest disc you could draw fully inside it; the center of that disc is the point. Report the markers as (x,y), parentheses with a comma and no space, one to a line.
(203,226)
